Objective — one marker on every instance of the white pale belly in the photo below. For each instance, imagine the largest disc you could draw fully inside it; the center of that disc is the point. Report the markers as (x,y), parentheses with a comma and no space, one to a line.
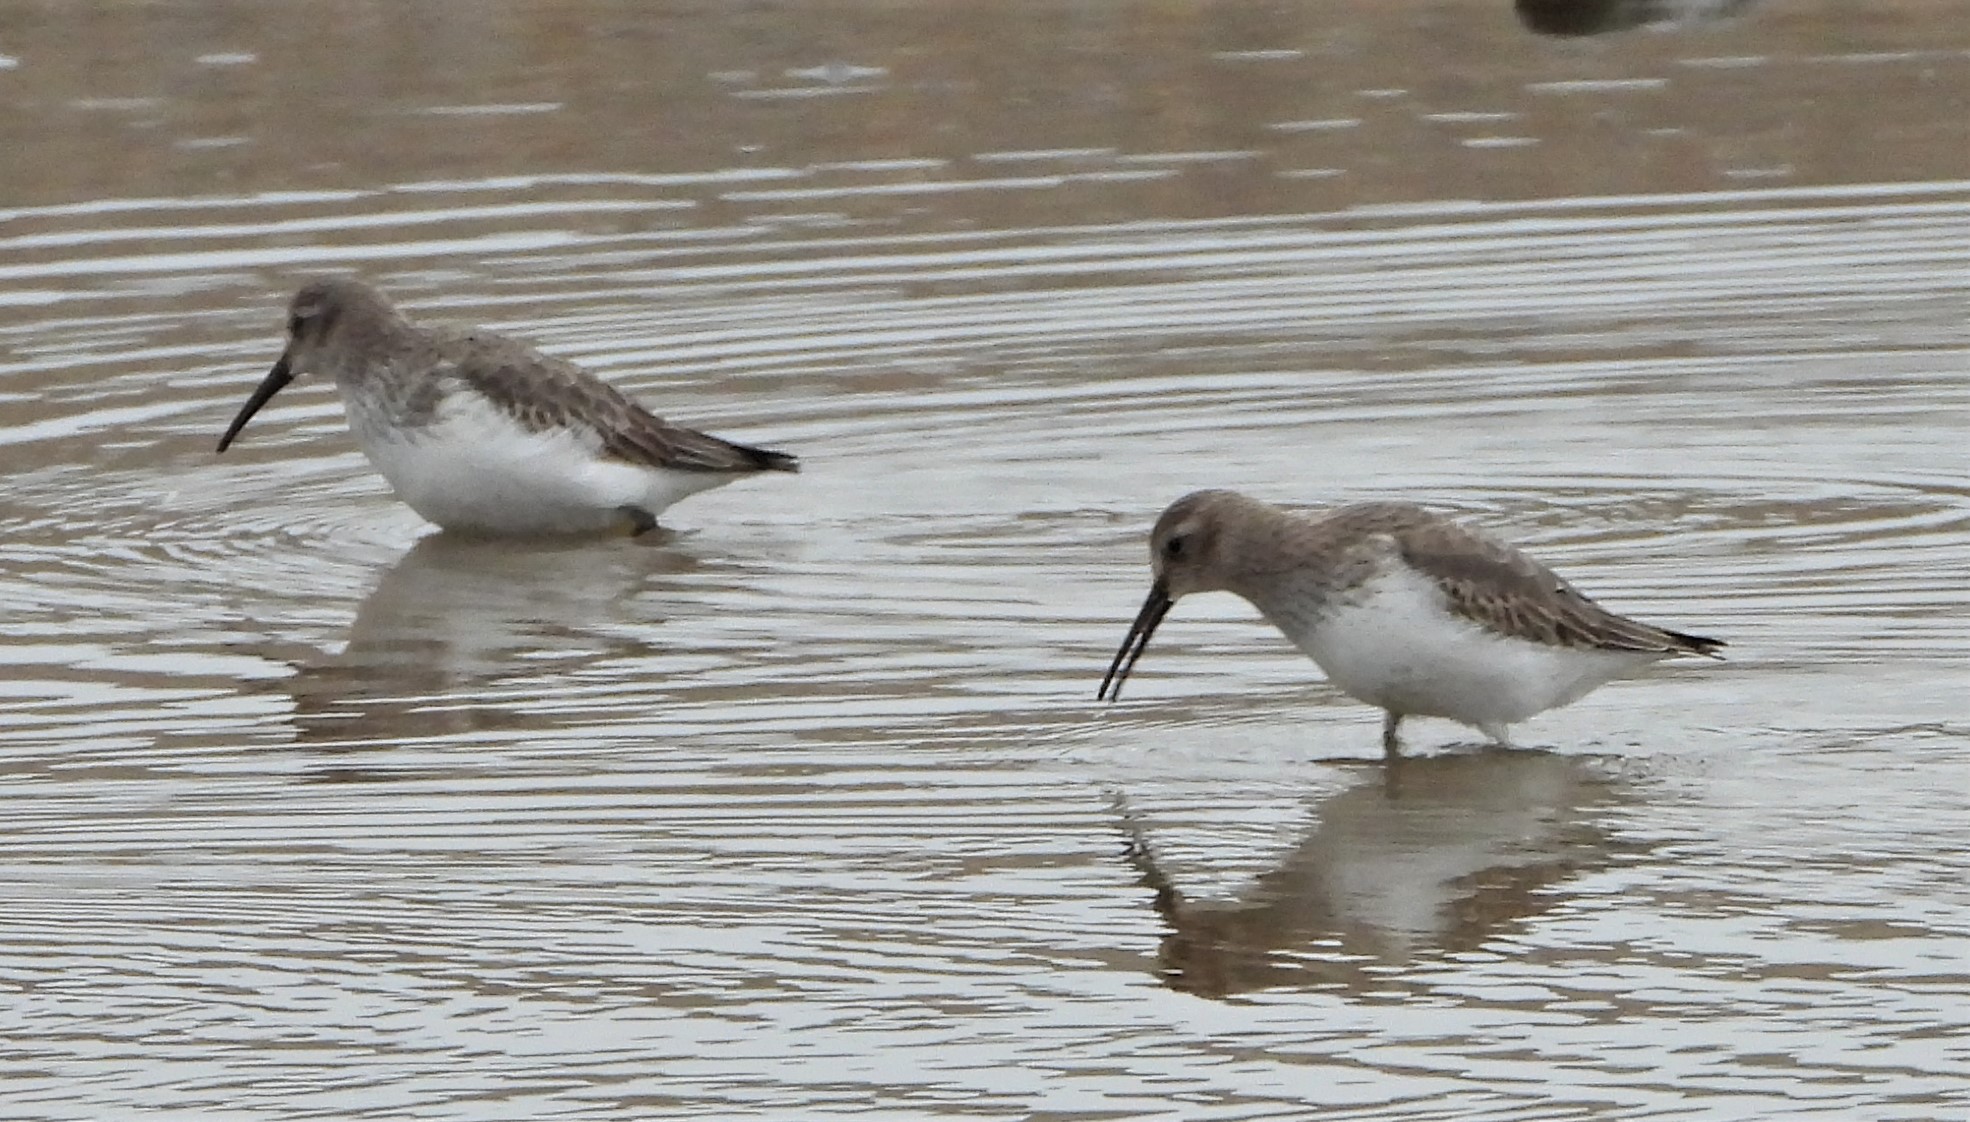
(1399,647)
(474,469)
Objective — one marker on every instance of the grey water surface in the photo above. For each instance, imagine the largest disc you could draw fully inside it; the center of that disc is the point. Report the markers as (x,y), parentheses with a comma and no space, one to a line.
(312,812)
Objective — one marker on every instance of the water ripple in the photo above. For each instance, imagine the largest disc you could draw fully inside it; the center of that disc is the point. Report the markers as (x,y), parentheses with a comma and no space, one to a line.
(314,806)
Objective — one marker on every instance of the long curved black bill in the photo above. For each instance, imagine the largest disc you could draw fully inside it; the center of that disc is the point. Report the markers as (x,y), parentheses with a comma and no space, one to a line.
(1137,641)
(276,378)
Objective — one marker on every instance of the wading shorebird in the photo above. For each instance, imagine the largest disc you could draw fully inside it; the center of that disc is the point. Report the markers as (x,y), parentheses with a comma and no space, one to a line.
(484,434)
(1399,607)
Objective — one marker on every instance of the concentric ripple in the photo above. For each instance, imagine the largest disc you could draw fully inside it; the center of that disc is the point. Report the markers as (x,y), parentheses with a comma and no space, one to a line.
(808,809)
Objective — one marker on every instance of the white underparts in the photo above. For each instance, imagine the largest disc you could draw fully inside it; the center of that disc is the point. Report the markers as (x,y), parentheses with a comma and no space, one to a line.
(473,467)
(1395,643)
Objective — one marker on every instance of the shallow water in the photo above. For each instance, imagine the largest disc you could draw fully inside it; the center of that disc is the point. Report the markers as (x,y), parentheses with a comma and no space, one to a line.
(810,809)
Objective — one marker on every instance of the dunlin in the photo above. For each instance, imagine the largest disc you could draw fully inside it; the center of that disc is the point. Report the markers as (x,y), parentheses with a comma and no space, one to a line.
(482,433)
(1399,607)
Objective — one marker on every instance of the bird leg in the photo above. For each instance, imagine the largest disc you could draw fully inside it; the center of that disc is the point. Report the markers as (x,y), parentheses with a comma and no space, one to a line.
(640,521)
(1391,744)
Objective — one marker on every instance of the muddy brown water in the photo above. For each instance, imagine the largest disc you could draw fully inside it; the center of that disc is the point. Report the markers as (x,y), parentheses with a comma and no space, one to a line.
(313,812)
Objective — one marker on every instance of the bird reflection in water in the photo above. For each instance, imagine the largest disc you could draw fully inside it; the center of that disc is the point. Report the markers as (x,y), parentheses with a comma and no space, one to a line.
(1600,17)
(1438,854)
(458,634)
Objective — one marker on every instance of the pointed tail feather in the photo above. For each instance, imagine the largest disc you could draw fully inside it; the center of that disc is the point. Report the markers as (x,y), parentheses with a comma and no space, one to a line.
(1694,644)
(765,459)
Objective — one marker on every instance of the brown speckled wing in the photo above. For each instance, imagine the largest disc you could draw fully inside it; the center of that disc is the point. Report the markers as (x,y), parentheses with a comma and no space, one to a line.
(546,393)
(1503,590)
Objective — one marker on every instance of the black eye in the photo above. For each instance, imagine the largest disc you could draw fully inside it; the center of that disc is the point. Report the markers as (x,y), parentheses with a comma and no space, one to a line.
(1173,549)
(294,323)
